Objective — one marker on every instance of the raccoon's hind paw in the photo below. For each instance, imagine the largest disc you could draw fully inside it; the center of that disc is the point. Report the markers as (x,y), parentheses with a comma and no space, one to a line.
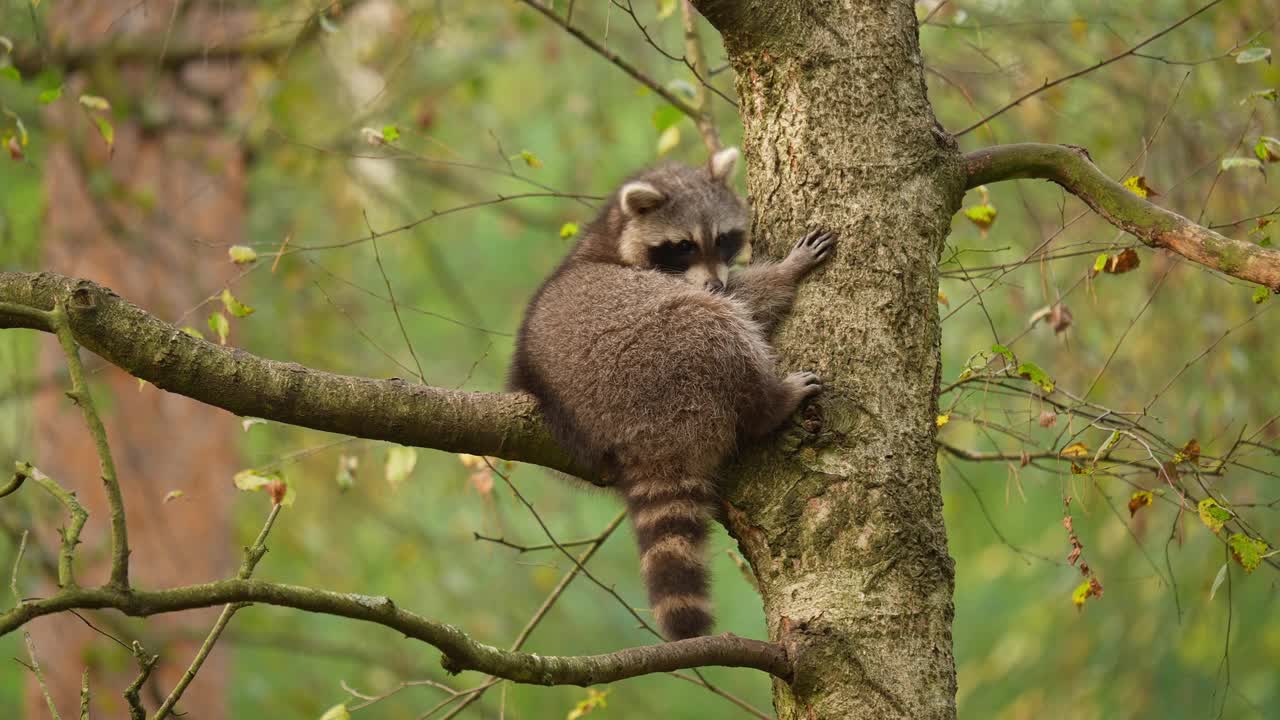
(812,250)
(805,384)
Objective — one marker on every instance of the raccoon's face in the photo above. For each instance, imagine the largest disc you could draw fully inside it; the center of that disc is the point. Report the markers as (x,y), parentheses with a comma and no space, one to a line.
(685,221)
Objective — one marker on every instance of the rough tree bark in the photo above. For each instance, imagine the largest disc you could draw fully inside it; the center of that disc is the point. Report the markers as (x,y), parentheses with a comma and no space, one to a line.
(842,521)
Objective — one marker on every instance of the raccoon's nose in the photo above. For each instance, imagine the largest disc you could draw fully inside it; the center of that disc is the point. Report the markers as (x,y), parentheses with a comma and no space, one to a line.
(713,285)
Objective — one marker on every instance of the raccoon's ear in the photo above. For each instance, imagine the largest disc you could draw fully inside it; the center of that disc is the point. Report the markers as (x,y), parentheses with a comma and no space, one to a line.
(640,197)
(723,163)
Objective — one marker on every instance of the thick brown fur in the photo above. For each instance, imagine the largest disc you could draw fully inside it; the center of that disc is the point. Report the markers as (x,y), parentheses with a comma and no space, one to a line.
(651,362)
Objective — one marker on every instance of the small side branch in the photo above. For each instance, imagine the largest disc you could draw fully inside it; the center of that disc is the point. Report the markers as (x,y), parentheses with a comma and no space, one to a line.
(79,393)
(461,652)
(697,60)
(70,534)
(1071,168)
(252,555)
(35,670)
(132,694)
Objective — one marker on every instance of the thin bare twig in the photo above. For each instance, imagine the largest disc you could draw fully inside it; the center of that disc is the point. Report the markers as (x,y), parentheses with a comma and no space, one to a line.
(679,103)
(1101,64)
(34,667)
(252,555)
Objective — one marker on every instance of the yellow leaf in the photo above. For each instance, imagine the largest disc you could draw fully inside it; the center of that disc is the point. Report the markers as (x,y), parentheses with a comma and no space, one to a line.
(1213,515)
(241,254)
(1075,450)
(1080,594)
(337,712)
(943,419)
(1137,184)
(1079,27)
(594,700)
(1139,500)
(668,140)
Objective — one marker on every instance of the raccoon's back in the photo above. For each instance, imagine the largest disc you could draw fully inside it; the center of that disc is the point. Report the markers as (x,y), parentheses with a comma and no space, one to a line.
(635,360)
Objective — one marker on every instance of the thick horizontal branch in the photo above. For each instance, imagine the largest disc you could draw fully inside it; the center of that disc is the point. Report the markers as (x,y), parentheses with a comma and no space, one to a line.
(460,651)
(505,425)
(1071,168)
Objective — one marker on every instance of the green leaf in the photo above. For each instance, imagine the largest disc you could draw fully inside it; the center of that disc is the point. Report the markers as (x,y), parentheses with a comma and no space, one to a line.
(1099,263)
(668,140)
(220,327)
(94,102)
(1233,163)
(1260,295)
(1213,515)
(1247,551)
(666,116)
(48,96)
(106,130)
(192,331)
(1267,149)
(11,72)
(390,133)
(530,159)
(568,230)
(234,306)
(400,463)
(981,215)
(1080,594)
(1217,581)
(281,490)
(1253,55)
(248,480)
(1035,374)
(1268,94)
(242,254)
(347,465)
(1004,351)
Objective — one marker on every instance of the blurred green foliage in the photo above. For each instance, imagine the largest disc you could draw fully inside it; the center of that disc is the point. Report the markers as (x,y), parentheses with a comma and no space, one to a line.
(481,85)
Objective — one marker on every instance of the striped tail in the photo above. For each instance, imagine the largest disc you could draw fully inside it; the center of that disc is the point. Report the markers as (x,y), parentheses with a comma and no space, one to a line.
(671,519)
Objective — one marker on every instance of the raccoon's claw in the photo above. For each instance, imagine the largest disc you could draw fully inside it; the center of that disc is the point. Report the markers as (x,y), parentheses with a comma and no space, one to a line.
(812,249)
(806,384)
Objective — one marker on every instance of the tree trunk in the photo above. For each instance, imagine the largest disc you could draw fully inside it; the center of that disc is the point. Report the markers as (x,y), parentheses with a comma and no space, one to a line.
(842,518)
(158,235)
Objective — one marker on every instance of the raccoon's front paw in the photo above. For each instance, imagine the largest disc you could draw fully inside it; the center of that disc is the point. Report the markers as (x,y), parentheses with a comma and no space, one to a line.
(812,250)
(804,384)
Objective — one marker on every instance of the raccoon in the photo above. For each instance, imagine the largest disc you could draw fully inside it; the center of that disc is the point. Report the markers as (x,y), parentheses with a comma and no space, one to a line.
(651,364)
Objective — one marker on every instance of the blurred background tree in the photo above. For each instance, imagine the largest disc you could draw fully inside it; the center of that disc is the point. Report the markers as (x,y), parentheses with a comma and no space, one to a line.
(483,130)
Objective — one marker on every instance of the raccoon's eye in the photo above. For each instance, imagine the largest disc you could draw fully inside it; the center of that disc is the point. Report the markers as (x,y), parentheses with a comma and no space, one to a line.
(729,243)
(686,246)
